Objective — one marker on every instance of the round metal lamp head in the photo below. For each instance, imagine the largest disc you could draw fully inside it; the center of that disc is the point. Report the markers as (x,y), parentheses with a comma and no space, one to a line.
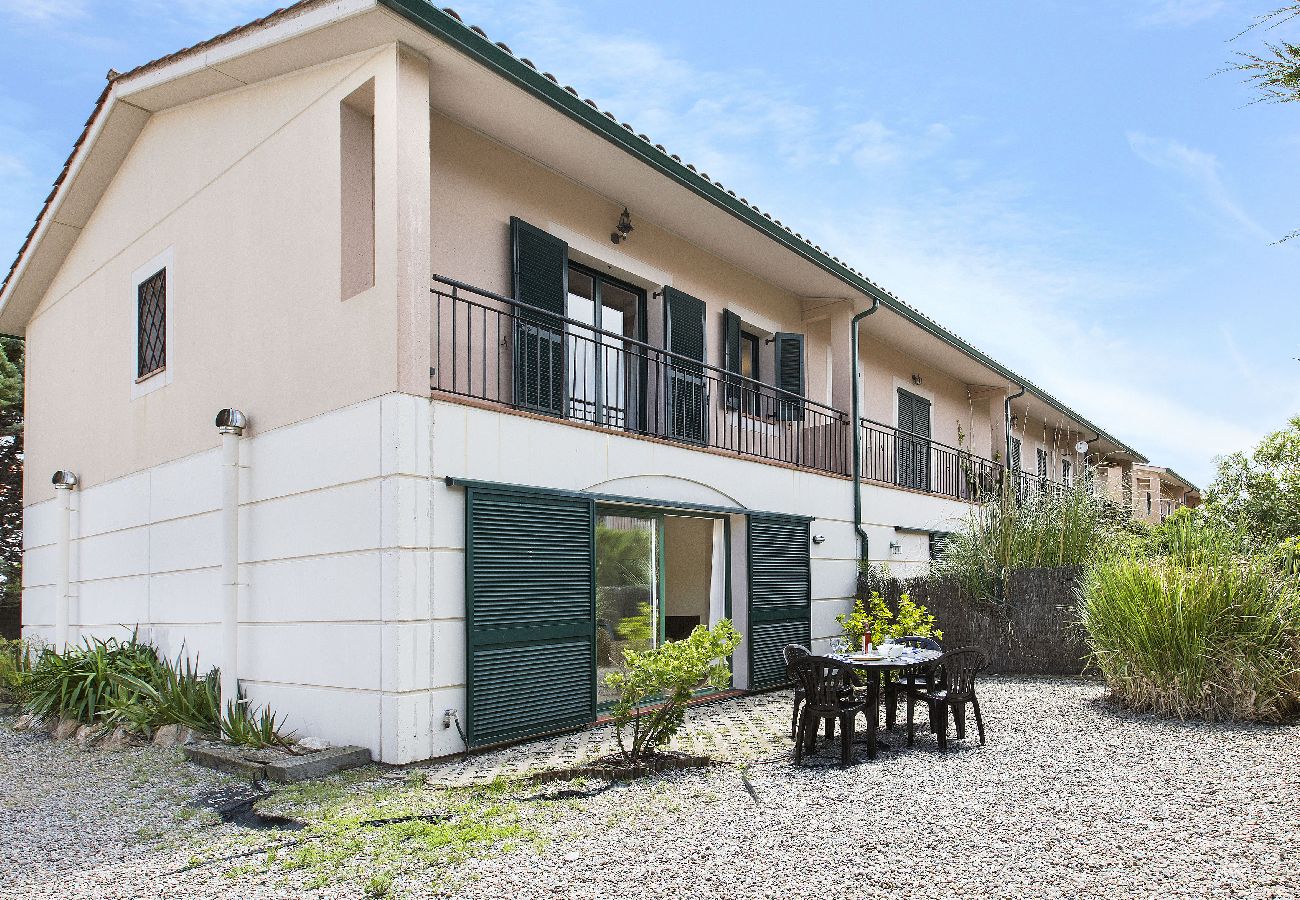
(64,479)
(1081,447)
(231,420)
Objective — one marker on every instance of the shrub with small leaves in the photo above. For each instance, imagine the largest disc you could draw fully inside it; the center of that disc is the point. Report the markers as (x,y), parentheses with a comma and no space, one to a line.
(665,678)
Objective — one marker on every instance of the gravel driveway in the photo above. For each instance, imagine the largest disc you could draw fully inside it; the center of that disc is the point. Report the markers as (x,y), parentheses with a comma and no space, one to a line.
(1069,799)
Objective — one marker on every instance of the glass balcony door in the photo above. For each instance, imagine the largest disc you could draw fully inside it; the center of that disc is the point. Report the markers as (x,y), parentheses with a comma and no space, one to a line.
(605,374)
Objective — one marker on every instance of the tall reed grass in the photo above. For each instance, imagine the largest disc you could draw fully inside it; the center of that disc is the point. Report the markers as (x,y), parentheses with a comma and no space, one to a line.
(1195,629)
(1042,530)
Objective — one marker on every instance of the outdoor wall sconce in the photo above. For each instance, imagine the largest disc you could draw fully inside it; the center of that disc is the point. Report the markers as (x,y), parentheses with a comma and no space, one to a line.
(819,538)
(916,379)
(623,230)
(64,479)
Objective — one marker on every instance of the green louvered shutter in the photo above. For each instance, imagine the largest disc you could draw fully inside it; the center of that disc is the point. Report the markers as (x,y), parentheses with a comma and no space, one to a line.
(686,391)
(731,357)
(912,447)
(530,618)
(789,374)
(540,265)
(780,594)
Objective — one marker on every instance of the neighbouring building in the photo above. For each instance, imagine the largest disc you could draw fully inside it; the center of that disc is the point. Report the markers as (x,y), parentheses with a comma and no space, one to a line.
(504,387)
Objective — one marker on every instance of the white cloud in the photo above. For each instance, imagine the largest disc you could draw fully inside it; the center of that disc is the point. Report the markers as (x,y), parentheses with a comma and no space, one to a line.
(43,12)
(1178,13)
(1202,172)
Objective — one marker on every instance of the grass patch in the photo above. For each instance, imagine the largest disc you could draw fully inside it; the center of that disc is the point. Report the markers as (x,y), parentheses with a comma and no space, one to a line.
(379,835)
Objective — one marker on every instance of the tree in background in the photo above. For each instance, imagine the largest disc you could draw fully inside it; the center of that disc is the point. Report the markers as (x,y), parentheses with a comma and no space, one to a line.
(1274,71)
(11,470)
(1258,493)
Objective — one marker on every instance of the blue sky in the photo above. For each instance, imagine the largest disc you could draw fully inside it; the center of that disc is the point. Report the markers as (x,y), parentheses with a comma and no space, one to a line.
(1068,186)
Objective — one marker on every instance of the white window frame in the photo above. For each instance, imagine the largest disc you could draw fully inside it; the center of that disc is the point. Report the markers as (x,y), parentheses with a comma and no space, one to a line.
(162,262)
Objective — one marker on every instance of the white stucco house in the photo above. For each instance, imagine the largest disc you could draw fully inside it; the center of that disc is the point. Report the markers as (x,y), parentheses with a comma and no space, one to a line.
(484,433)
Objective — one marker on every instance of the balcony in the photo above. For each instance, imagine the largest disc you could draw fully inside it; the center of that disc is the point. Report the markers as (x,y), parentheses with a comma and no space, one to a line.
(491,349)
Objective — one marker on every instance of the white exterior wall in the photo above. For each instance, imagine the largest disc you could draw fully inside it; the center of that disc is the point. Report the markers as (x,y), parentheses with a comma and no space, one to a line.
(481,444)
(334,601)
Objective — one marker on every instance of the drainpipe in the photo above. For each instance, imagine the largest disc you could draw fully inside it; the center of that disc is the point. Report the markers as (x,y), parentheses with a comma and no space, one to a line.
(63,482)
(231,424)
(1006,418)
(857,429)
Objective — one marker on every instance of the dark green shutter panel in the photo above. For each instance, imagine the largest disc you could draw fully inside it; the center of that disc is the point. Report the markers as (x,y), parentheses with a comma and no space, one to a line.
(912,447)
(1015,454)
(686,393)
(780,595)
(540,266)
(789,374)
(530,614)
(731,356)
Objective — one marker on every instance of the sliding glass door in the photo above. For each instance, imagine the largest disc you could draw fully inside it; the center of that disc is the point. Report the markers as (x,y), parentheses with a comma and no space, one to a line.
(658,576)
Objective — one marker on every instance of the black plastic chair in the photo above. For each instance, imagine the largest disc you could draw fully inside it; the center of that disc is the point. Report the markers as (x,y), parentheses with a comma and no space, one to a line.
(899,685)
(953,692)
(828,697)
(790,652)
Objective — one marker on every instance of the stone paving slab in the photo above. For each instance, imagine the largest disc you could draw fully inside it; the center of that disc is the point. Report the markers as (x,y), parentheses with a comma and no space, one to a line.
(738,730)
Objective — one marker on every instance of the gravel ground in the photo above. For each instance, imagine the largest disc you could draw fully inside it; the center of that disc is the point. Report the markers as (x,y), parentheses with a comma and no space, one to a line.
(1069,799)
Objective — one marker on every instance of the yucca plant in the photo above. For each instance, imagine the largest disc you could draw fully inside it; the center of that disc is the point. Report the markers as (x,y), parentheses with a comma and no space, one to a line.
(86,683)
(249,727)
(1195,629)
(180,694)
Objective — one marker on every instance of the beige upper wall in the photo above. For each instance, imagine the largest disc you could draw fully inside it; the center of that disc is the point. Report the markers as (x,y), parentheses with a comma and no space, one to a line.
(885,370)
(478,184)
(242,190)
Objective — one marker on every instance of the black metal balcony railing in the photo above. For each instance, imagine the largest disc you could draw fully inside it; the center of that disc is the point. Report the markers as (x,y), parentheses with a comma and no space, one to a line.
(489,347)
(908,460)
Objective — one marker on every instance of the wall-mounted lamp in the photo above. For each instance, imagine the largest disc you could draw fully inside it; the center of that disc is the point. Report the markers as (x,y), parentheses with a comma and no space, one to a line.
(1014,420)
(916,379)
(819,538)
(1081,447)
(623,230)
(64,479)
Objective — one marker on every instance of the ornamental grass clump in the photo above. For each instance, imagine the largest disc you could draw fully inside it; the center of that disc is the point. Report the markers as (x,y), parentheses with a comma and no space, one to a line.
(655,685)
(1039,529)
(1195,630)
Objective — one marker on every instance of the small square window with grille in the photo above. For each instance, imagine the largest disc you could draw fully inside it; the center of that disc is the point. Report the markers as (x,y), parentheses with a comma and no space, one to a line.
(151,325)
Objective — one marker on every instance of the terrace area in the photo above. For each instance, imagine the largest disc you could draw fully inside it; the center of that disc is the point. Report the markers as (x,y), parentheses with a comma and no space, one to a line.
(1071,797)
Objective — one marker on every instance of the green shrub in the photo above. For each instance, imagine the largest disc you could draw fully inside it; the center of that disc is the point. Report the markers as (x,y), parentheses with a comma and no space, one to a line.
(874,616)
(15,670)
(1195,629)
(668,676)
(1071,527)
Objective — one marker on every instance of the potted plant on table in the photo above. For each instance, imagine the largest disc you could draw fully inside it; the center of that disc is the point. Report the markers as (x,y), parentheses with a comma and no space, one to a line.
(872,620)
